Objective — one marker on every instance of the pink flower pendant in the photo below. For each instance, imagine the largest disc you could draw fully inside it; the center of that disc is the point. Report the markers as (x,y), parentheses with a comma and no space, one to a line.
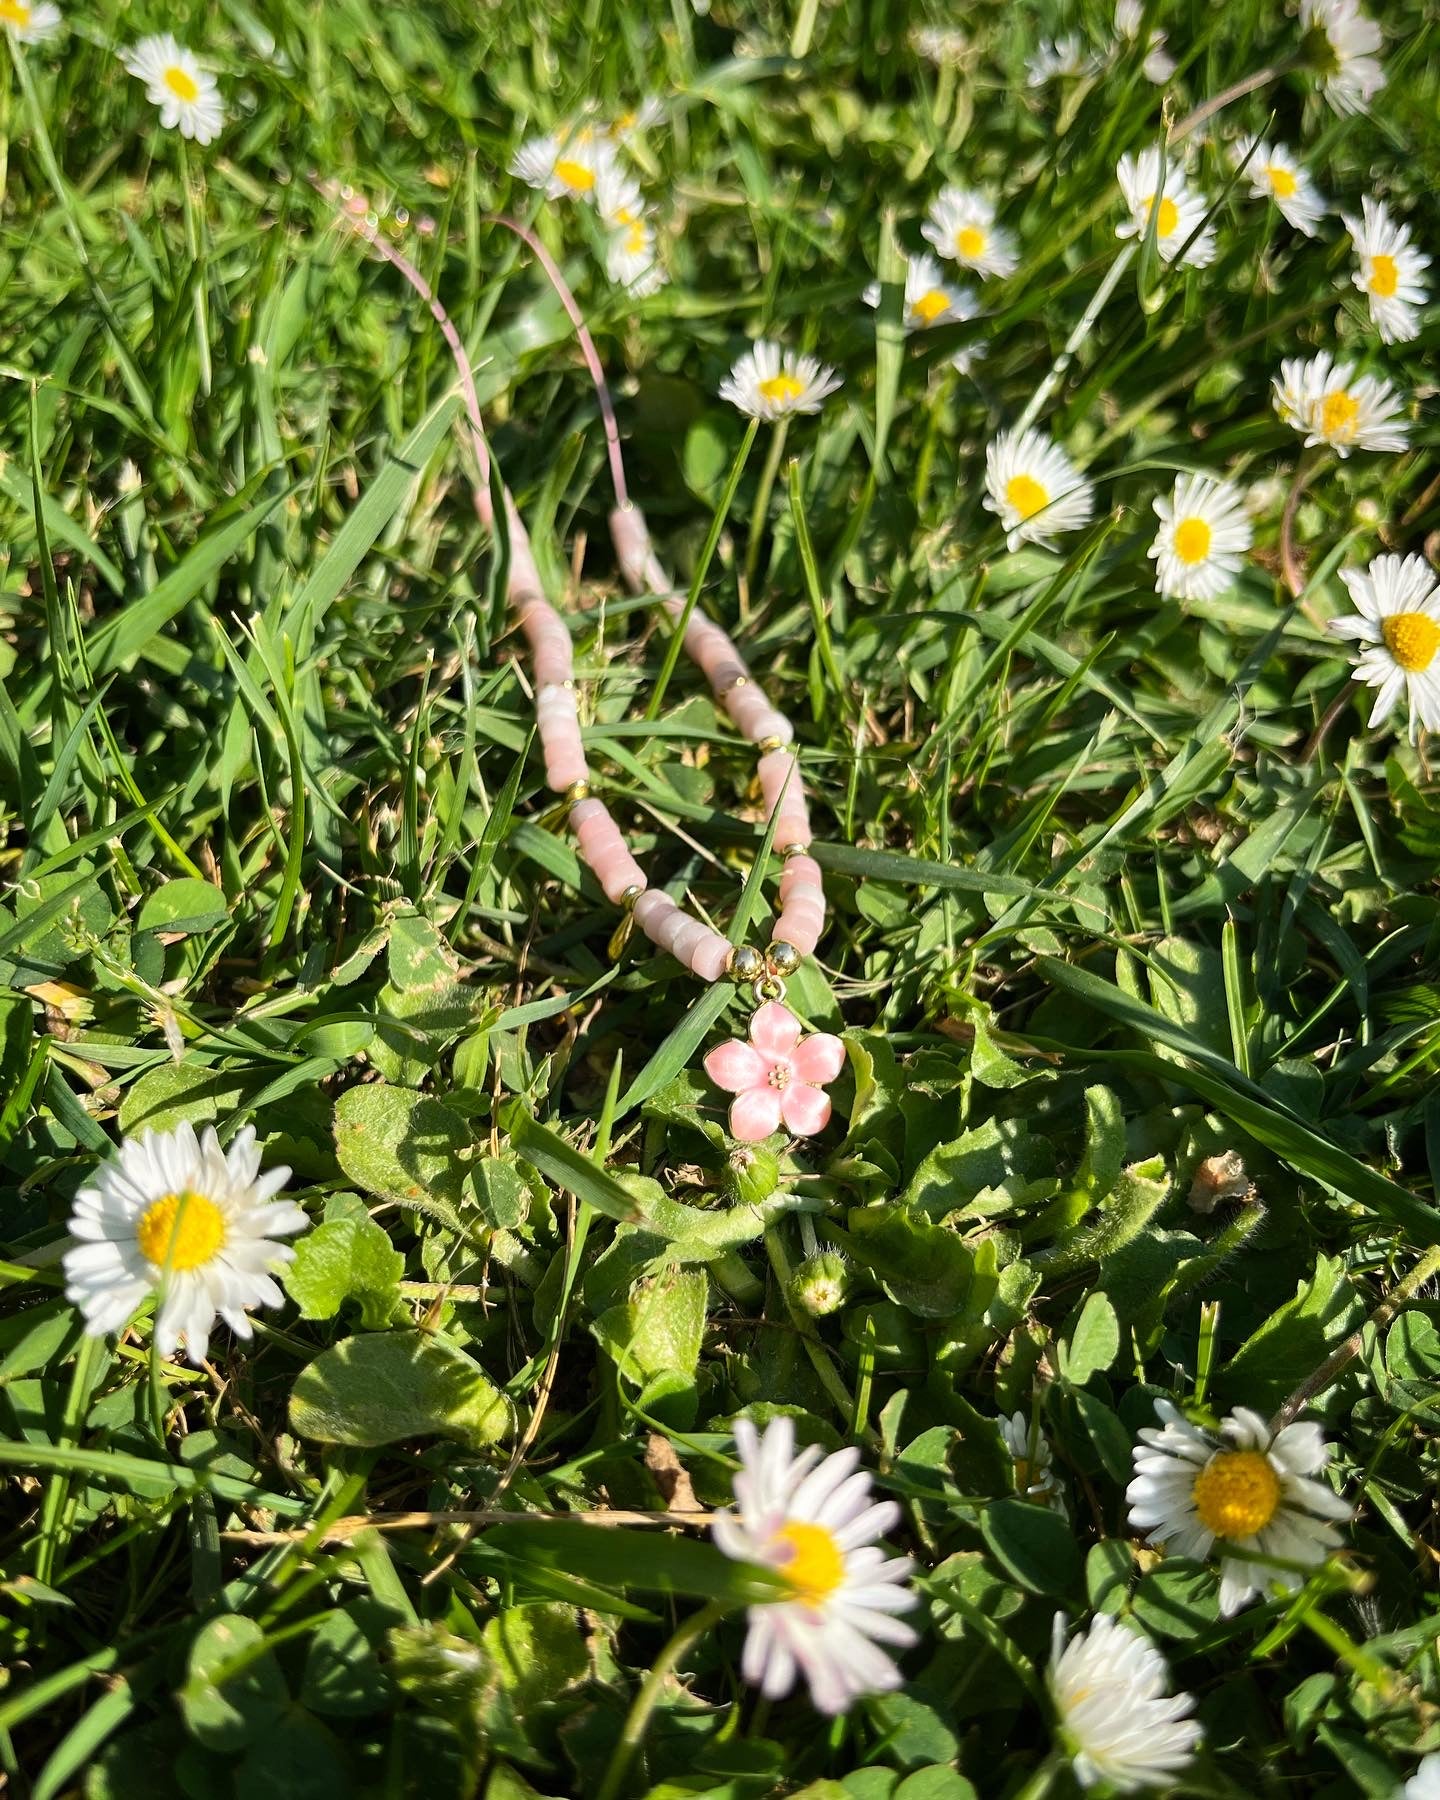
(777,1078)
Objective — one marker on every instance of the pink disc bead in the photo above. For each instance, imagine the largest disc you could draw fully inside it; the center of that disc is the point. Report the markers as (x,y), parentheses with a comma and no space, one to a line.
(800,872)
(604,851)
(551,651)
(754,717)
(803,931)
(785,798)
(710,959)
(652,910)
(557,717)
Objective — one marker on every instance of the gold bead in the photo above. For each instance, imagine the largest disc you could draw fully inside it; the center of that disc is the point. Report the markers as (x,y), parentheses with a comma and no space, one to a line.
(767,744)
(782,958)
(795,850)
(576,792)
(630,896)
(746,963)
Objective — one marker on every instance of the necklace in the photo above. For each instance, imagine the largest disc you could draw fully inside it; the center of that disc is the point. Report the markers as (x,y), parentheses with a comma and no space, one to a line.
(777,1078)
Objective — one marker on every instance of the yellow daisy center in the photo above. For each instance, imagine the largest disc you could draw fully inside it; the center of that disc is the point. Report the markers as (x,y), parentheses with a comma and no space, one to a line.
(635,238)
(575,175)
(781,389)
(1412,639)
(181,1231)
(1338,414)
(1384,276)
(1192,541)
(970,241)
(182,85)
(1169,215)
(1282,183)
(1237,1493)
(1026,495)
(815,1566)
(14,12)
(932,304)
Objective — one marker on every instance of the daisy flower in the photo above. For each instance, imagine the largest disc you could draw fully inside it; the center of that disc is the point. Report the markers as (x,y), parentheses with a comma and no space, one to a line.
(630,259)
(1203,536)
(1274,173)
(1116,1721)
(1029,1451)
(770,383)
(961,225)
(1346,41)
(815,1523)
(929,298)
(1158,65)
(1330,404)
(568,162)
(30,23)
(640,118)
(1391,271)
(175,1214)
(1252,1491)
(939,44)
(1035,488)
(1398,623)
(174,81)
(1424,1784)
(1180,214)
(1059,56)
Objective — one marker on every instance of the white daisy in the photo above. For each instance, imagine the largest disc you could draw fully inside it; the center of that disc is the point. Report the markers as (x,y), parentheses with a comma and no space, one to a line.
(929,298)
(1330,404)
(1034,1478)
(961,225)
(1346,42)
(1159,66)
(814,1521)
(173,1213)
(1203,536)
(630,124)
(1179,216)
(1391,271)
(1275,173)
(770,383)
(30,23)
(1035,488)
(568,162)
(1252,1491)
(630,258)
(1424,1784)
(1059,56)
(1398,622)
(186,94)
(939,44)
(1116,1720)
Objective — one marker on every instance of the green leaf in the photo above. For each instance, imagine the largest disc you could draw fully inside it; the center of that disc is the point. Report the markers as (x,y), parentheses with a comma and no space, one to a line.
(1104,1143)
(343,1677)
(650,1561)
(167,1096)
(1036,1545)
(925,1267)
(401,1145)
(499,1187)
(346,1259)
(659,1328)
(233,1687)
(539,1650)
(1093,1344)
(184,906)
(381,1388)
(418,956)
(1293,1340)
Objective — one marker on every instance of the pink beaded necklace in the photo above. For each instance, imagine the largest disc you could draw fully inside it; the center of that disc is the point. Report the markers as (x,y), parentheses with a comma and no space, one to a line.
(778,1077)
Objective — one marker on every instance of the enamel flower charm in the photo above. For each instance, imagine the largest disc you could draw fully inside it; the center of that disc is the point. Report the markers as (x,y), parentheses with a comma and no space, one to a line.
(778,1077)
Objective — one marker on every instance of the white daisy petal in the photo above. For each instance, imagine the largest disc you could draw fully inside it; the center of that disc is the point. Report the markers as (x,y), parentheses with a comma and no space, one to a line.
(1328,403)
(1179,211)
(1065,56)
(564,164)
(1399,619)
(929,298)
(1274,173)
(1346,42)
(961,225)
(1203,537)
(180,1217)
(841,1590)
(1116,1721)
(30,21)
(770,383)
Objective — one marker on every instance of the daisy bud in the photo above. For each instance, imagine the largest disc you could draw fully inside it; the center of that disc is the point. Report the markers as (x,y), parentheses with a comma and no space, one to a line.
(751,1174)
(820,1285)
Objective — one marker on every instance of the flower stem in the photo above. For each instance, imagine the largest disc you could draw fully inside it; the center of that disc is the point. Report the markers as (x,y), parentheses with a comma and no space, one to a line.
(1076,338)
(762,503)
(1217,102)
(638,1718)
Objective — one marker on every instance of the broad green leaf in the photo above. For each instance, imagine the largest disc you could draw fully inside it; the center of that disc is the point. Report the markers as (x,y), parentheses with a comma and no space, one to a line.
(1093,1343)
(401,1145)
(346,1259)
(233,1687)
(1036,1545)
(383,1387)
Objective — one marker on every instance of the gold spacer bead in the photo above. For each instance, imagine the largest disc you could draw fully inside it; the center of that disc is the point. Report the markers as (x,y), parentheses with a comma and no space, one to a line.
(794,850)
(568,683)
(630,896)
(745,963)
(767,744)
(736,681)
(782,958)
(576,792)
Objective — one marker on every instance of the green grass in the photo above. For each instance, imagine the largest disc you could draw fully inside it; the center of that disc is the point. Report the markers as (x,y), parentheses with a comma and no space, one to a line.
(1105,905)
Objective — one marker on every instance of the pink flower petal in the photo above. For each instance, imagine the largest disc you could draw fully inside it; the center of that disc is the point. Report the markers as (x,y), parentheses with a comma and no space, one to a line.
(818,1059)
(756,1114)
(736,1067)
(804,1109)
(774,1031)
